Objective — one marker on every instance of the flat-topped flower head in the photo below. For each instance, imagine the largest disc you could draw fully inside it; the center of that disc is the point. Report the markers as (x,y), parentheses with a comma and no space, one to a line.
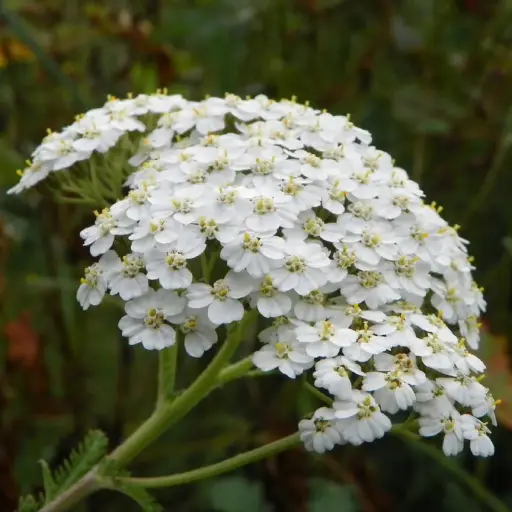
(236,204)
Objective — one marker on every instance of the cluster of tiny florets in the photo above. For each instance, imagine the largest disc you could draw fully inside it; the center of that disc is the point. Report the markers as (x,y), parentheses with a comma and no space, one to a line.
(238,204)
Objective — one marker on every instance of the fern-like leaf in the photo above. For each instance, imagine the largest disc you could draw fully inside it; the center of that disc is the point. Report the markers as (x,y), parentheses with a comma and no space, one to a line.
(28,504)
(50,487)
(146,502)
(80,461)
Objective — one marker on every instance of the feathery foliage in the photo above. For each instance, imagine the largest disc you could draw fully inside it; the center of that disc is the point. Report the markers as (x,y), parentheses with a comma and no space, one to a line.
(80,461)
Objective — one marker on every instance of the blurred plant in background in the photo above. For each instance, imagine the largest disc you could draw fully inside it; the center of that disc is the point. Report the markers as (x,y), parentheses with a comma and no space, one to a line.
(431,80)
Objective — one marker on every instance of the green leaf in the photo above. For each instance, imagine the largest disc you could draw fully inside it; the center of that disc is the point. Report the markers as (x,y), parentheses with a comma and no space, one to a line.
(81,460)
(235,494)
(28,504)
(146,502)
(50,487)
(327,495)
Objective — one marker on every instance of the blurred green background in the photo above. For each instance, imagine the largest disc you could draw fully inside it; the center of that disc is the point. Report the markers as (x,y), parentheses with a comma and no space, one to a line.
(431,79)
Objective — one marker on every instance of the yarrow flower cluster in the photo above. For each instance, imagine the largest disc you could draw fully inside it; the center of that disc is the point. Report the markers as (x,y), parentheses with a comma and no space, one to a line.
(238,204)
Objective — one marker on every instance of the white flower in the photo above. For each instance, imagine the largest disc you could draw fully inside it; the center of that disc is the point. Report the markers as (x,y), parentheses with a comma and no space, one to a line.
(448,300)
(100,236)
(476,432)
(392,203)
(94,284)
(314,227)
(391,391)
(402,364)
(334,375)
(314,167)
(371,242)
(320,433)
(31,175)
(199,331)
(125,276)
(270,210)
(227,203)
(349,313)
(284,354)
(433,324)
(363,420)
(334,197)
(153,232)
(313,306)
(238,204)
(95,134)
(464,361)
(434,352)
(300,193)
(256,253)
(343,259)
(269,300)
(170,267)
(465,390)
(369,287)
(324,339)
(408,273)
(470,329)
(451,426)
(60,153)
(367,344)
(146,317)
(221,298)
(432,400)
(486,408)
(304,268)
(136,205)
(398,331)
(207,116)
(181,203)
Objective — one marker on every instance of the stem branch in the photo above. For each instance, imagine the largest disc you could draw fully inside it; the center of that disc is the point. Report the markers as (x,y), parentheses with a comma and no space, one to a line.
(263,452)
(169,413)
(166,414)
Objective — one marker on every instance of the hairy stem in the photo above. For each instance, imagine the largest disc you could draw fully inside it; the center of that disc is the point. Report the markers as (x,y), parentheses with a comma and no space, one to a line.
(169,413)
(167,362)
(85,486)
(166,414)
(235,371)
(263,452)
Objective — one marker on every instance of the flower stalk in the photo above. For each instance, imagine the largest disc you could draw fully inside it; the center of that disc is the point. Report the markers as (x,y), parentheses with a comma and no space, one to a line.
(167,363)
(262,452)
(166,413)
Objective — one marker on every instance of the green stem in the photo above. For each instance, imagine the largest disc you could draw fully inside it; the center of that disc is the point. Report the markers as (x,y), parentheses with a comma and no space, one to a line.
(167,361)
(316,392)
(235,371)
(170,413)
(85,486)
(205,268)
(165,415)
(465,478)
(263,452)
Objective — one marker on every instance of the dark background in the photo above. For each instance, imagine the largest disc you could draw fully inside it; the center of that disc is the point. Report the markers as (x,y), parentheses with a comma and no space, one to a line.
(432,81)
